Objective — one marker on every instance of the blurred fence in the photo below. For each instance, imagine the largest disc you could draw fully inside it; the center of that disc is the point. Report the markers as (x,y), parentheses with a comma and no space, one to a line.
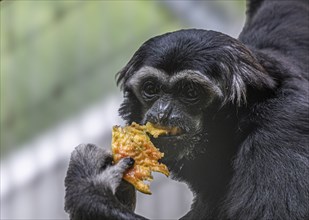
(57,59)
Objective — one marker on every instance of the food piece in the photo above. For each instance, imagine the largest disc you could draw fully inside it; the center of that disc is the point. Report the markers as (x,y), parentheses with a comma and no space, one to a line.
(133,141)
(156,131)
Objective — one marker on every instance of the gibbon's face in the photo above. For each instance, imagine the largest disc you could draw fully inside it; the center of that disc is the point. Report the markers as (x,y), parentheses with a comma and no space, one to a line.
(181,79)
(174,100)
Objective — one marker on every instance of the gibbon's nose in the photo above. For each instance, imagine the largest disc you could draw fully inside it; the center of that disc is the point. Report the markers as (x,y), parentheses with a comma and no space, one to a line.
(160,112)
(163,112)
(161,116)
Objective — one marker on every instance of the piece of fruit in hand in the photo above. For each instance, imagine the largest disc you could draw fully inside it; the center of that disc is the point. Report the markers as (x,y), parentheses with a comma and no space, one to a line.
(133,141)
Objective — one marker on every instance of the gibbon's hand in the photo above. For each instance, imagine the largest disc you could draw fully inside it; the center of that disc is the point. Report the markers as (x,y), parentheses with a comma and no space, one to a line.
(94,186)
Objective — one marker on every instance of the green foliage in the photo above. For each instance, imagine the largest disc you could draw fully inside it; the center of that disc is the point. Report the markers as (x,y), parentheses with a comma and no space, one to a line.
(59,56)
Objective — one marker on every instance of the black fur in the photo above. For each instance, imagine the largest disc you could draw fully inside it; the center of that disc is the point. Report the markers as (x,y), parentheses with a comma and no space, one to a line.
(91,182)
(250,157)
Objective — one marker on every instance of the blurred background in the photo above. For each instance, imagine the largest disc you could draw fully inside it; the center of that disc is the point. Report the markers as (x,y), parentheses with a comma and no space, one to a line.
(58,66)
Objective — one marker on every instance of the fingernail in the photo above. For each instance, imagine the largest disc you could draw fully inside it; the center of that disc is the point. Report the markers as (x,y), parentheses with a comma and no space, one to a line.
(130,161)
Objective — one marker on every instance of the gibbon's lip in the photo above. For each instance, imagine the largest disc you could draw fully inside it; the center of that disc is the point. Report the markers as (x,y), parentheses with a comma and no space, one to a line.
(178,136)
(172,138)
(173,131)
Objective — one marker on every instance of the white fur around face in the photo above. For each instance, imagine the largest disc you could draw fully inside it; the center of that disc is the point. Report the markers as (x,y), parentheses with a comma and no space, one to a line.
(191,75)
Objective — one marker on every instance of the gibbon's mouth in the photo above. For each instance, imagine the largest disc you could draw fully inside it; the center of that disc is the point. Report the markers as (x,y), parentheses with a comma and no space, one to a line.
(171,137)
(170,145)
(171,131)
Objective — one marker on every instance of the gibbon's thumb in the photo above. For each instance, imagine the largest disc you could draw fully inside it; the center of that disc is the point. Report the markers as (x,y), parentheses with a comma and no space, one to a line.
(112,176)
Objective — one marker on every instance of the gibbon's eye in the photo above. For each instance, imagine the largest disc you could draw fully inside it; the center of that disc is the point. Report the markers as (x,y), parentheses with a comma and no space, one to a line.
(150,90)
(190,93)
